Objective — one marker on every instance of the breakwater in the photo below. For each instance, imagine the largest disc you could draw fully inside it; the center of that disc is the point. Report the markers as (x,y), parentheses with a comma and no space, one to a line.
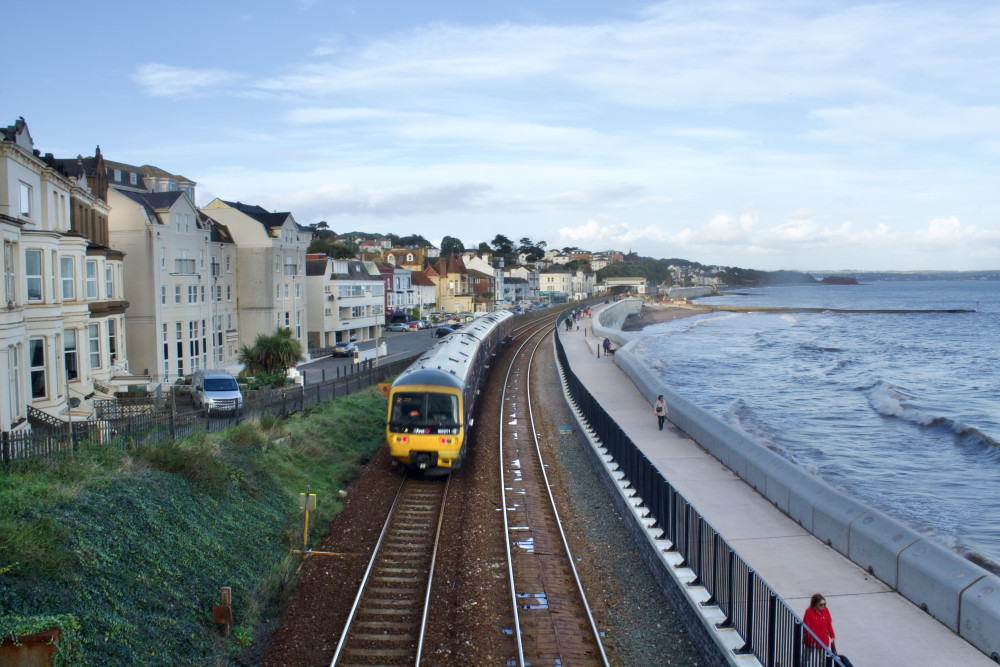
(955,591)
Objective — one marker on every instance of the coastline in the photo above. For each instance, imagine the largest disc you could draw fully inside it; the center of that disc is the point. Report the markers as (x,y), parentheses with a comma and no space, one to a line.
(655,313)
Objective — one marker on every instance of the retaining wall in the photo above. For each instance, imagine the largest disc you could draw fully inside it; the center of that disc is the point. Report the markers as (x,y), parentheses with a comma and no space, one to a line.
(952,589)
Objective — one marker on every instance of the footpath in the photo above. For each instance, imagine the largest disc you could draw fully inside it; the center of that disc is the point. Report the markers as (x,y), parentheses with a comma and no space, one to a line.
(875,626)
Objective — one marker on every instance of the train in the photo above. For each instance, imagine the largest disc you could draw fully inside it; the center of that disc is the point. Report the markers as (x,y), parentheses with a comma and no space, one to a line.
(431,402)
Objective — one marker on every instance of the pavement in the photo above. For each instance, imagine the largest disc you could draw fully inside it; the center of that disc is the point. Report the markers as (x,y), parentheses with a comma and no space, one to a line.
(874,625)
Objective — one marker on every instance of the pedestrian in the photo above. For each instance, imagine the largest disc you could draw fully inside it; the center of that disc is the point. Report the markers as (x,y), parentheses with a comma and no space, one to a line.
(607,346)
(817,618)
(577,324)
(660,410)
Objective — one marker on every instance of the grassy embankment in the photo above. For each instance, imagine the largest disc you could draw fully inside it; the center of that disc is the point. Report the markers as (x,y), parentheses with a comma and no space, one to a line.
(126,549)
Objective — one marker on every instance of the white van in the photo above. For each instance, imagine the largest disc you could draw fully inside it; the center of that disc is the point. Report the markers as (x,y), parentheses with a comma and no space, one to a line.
(216,390)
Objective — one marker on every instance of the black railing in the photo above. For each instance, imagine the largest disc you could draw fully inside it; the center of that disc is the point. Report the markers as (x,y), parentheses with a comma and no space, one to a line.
(771,631)
(146,421)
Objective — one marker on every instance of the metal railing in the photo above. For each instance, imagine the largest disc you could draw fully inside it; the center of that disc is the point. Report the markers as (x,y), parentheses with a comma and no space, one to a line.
(771,631)
(139,422)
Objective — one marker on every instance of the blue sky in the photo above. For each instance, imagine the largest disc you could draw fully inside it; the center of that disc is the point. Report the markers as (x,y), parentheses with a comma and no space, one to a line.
(800,135)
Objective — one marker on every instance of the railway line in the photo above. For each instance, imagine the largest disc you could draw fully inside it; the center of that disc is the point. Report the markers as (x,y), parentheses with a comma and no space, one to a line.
(472,567)
(387,622)
(553,624)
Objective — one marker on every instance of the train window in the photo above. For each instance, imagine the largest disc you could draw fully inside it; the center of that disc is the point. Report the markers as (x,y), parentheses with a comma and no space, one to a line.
(424,413)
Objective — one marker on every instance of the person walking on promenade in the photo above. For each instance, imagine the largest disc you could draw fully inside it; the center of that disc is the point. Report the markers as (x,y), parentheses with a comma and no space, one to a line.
(817,618)
(660,410)
(607,346)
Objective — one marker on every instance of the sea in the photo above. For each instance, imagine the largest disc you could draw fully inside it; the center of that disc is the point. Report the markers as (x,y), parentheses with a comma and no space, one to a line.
(898,410)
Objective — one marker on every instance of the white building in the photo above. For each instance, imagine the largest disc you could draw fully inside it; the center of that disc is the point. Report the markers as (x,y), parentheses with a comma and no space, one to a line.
(168,281)
(346,300)
(271,275)
(61,318)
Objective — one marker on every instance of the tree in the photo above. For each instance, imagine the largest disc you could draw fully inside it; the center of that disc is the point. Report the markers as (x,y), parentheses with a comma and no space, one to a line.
(413,240)
(484,248)
(277,352)
(451,246)
(502,245)
(327,246)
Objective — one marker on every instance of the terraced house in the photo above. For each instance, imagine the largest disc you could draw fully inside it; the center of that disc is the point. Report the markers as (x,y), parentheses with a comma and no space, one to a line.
(62,338)
(166,242)
(271,268)
(346,300)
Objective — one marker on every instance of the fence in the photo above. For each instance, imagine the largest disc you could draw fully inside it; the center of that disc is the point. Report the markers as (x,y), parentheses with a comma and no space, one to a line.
(769,628)
(138,422)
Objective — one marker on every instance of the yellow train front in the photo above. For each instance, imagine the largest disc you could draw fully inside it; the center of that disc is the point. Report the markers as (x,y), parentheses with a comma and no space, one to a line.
(431,402)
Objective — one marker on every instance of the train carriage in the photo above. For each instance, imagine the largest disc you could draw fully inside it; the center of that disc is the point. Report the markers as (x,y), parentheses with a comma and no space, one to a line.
(431,402)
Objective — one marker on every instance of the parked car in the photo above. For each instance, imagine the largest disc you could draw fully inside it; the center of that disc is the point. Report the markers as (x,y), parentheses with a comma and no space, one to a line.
(414,326)
(398,326)
(344,349)
(216,390)
(455,326)
(441,332)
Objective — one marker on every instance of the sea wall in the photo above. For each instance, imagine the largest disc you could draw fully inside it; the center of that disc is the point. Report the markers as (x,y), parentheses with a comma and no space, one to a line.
(689,292)
(955,591)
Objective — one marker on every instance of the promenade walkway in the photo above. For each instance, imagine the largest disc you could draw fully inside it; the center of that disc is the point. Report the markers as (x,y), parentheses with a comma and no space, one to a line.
(875,626)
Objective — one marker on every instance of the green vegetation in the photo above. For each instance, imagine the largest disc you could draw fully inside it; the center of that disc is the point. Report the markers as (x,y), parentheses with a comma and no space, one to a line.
(657,271)
(277,352)
(126,550)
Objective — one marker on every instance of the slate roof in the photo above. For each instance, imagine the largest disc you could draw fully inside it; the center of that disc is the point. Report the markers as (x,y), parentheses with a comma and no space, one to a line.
(153,201)
(259,214)
(219,232)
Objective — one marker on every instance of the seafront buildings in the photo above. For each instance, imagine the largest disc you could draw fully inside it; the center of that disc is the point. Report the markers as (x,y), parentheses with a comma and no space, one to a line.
(116,279)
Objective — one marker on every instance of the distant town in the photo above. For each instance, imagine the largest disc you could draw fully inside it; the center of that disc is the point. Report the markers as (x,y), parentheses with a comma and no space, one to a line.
(116,277)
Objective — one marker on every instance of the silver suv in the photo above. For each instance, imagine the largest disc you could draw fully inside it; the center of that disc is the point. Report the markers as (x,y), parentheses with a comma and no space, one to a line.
(217,391)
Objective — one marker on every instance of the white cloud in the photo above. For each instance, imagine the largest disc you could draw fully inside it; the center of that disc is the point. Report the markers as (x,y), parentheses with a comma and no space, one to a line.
(167,81)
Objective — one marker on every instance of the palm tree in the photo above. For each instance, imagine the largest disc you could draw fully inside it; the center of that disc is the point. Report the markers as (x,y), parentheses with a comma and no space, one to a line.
(276,352)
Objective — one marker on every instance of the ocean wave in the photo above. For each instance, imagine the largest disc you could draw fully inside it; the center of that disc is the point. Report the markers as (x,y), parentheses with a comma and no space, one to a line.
(891,401)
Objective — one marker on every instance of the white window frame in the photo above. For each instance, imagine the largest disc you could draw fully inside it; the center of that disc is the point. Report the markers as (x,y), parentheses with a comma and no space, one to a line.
(37,370)
(94,337)
(91,278)
(25,205)
(9,273)
(34,278)
(109,282)
(70,358)
(68,291)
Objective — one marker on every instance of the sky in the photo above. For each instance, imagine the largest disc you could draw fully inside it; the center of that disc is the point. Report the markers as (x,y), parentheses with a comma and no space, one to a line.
(815,136)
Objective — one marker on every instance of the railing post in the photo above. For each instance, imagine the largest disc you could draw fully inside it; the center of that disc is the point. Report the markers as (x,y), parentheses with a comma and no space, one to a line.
(797,644)
(173,416)
(748,645)
(772,626)
(730,592)
(5,446)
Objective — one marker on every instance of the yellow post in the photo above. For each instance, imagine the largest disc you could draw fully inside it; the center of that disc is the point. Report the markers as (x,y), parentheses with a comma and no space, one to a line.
(307,501)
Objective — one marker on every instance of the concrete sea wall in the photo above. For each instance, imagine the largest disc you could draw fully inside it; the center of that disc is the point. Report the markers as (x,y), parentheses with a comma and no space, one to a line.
(955,591)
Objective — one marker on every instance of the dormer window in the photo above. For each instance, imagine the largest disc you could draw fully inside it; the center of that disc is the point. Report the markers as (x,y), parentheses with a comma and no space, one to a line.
(118,174)
(133,178)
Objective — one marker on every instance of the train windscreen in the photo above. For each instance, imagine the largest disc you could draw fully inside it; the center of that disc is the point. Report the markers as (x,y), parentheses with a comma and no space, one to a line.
(423,412)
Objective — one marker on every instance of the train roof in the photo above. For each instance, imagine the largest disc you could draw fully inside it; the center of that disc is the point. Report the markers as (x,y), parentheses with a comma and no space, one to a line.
(452,356)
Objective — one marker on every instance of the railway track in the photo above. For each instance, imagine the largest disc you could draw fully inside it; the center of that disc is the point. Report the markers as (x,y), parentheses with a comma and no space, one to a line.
(387,622)
(552,620)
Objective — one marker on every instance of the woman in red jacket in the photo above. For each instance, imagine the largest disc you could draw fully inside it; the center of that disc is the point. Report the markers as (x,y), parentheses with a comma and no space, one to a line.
(817,618)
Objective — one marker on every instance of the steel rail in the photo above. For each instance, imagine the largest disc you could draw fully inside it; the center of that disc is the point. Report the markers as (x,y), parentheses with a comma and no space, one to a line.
(555,511)
(363,586)
(503,493)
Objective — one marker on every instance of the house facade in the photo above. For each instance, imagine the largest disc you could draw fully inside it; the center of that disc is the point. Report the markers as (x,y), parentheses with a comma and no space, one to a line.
(61,288)
(346,300)
(271,269)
